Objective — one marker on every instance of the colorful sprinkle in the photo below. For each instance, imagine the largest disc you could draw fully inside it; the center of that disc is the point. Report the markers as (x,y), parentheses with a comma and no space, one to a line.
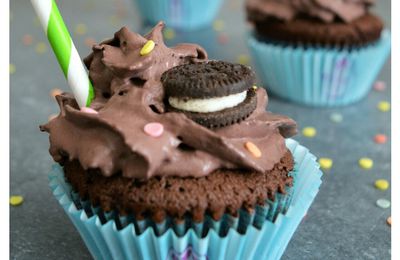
(81,29)
(52,116)
(253,149)
(88,110)
(389,221)
(55,92)
(12,69)
(382,184)
(16,200)
(41,47)
(147,47)
(243,59)
(223,38)
(154,129)
(89,41)
(218,25)
(380,139)
(380,86)
(366,163)
(309,131)
(326,163)
(383,203)
(169,33)
(336,117)
(27,39)
(384,106)
(255,87)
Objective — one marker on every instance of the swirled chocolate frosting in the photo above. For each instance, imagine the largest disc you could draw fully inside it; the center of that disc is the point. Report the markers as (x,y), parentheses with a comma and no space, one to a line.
(129,95)
(325,10)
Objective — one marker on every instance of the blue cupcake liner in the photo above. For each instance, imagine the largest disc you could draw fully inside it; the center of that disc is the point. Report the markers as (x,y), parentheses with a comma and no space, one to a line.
(261,235)
(180,14)
(319,76)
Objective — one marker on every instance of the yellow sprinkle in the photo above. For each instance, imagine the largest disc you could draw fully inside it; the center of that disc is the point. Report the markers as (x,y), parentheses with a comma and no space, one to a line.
(366,163)
(16,200)
(218,25)
(80,29)
(52,116)
(243,59)
(41,47)
(384,106)
(169,34)
(147,47)
(309,131)
(381,184)
(255,87)
(12,68)
(253,149)
(55,92)
(326,163)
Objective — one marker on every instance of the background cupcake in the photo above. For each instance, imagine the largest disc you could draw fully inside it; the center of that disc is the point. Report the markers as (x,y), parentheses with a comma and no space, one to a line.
(177,157)
(180,14)
(320,53)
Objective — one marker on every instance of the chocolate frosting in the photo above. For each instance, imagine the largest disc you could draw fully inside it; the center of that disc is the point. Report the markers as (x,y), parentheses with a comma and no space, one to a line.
(325,10)
(129,95)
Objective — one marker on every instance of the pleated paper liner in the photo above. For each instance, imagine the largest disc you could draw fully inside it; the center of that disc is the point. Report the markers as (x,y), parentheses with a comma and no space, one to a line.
(180,14)
(261,235)
(318,76)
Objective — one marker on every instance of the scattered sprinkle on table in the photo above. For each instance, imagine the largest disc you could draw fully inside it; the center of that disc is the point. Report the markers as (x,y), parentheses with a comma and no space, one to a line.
(12,69)
(16,200)
(41,47)
(218,25)
(169,33)
(147,47)
(89,41)
(243,59)
(55,92)
(52,116)
(80,29)
(27,39)
(380,86)
(309,131)
(384,106)
(154,129)
(389,221)
(253,149)
(383,203)
(223,38)
(381,184)
(326,163)
(380,139)
(336,117)
(366,163)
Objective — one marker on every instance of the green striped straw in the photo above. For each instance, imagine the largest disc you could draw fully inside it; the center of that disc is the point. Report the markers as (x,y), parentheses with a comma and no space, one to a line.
(65,51)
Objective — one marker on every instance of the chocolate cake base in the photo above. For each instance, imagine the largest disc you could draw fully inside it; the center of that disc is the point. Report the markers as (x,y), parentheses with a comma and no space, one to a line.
(361,31)
(223,191)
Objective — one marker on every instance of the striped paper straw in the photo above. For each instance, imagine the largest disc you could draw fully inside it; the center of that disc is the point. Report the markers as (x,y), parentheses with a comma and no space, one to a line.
(65,51)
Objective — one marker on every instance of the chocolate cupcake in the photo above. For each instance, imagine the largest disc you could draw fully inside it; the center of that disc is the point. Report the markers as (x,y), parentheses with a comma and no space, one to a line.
(332,50)
(147,177)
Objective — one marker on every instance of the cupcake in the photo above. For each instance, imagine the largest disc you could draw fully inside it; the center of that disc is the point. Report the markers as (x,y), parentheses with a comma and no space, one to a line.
(185,15)
(318,53)
(177,157)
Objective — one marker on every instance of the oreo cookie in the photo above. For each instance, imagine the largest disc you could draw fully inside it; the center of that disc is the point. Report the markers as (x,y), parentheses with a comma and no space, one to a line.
(213,94)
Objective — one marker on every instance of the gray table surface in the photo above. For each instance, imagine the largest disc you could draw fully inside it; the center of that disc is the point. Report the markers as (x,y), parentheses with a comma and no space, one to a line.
(343,222)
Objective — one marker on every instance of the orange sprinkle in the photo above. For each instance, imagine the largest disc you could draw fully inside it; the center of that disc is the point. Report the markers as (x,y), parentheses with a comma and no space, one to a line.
(380,138)
(253,149)
(389,221)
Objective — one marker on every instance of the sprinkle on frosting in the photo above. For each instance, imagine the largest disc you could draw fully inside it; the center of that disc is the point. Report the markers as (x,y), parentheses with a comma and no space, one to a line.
(154,129)
(147,47)
(253,149)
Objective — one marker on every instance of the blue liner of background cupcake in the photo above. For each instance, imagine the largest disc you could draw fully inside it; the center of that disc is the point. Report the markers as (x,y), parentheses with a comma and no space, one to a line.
(319,76)
(261,235)
(180,14)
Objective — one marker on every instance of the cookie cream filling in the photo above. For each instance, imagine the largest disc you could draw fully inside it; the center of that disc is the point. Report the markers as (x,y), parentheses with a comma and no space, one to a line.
(207,105)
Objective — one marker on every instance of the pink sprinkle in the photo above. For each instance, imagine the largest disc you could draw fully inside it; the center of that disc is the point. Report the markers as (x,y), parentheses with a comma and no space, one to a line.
(379,86)
(89,110)
(154,129)
(380,138)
